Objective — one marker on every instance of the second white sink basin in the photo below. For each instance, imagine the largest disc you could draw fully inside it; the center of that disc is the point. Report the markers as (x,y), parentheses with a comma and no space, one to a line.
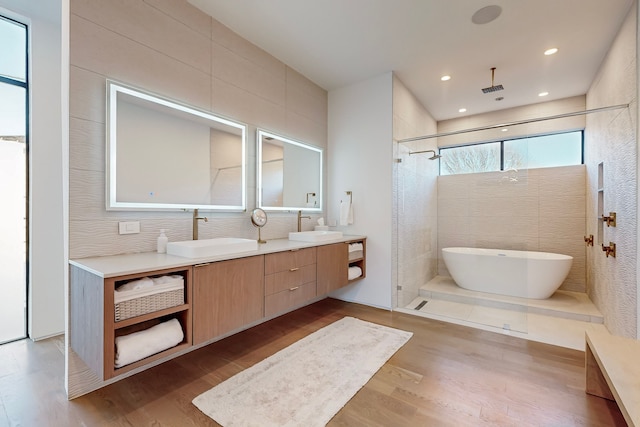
(314,236)
(211,247)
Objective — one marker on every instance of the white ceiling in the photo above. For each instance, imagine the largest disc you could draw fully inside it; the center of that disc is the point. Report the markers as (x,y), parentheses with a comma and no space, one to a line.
(339,42)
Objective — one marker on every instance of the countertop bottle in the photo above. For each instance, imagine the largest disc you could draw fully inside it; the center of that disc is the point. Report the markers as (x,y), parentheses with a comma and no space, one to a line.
(162,242)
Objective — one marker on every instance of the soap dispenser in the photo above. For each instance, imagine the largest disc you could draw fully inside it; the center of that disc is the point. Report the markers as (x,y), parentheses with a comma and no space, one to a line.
(162,242)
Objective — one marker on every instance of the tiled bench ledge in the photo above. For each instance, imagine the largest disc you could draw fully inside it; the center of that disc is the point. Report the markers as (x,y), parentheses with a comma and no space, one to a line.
(613,371)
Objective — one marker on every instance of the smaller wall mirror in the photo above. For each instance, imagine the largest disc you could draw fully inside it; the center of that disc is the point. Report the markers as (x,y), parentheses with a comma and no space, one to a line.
(289,174)
(165,155)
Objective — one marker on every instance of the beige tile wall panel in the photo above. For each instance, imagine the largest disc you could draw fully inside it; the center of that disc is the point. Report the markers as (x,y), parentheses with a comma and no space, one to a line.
(564,182)
(224,36)
(243,73)
(87,98)
(558,206)
(185,13)
(576,279)
(297,80)
(304,129)
(86,149)
(117,57)
(530,214)
(233,101)
(610,138)
(304,102)
(87,195)
(151,27)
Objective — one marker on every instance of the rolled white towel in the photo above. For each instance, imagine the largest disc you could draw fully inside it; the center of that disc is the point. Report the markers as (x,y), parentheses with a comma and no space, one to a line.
(354,272)
(138,345)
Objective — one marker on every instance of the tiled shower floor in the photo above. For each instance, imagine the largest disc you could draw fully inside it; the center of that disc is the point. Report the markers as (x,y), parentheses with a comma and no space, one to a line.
(560,320)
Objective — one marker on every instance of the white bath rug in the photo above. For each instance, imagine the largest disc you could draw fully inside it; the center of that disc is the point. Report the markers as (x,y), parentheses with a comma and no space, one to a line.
(307,383)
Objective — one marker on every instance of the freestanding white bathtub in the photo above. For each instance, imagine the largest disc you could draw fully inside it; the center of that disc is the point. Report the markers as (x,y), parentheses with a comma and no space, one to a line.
(523,274)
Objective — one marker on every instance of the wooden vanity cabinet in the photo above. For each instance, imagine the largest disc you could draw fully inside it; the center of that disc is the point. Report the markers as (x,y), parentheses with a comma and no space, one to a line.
(227,295)
(93,324)
(333,265)
(290,279)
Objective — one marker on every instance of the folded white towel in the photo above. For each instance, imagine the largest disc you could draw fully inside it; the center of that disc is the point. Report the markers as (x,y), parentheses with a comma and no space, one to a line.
(145,282)
(353,247)
(166,279)
(354,272)
(138,345)
(346,213)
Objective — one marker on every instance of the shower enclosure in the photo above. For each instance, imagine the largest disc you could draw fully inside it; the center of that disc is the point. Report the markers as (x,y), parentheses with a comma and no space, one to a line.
(434,209)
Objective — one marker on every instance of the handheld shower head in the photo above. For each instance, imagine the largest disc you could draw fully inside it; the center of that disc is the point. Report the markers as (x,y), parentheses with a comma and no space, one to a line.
(434,157)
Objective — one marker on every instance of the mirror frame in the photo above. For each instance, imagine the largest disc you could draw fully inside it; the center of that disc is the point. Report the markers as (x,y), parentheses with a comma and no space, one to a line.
(112,204)
(259,203)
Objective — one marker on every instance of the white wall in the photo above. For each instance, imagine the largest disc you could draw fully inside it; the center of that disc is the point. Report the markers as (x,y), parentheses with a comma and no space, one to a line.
(359,156)
(48,152)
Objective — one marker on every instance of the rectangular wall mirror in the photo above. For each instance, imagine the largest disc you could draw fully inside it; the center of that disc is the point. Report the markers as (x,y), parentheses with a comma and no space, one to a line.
(165,155)
(289,174)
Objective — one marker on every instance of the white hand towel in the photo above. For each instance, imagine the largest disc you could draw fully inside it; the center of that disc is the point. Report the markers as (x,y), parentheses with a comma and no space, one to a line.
(346,213)
(138,345)
(354,272)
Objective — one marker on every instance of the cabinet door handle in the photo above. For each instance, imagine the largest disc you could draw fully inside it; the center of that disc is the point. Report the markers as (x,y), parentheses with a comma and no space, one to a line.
(293,289)
(294,269)
(202,265)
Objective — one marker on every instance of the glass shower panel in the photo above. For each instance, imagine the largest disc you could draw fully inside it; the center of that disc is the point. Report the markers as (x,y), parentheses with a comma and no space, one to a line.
(487,210)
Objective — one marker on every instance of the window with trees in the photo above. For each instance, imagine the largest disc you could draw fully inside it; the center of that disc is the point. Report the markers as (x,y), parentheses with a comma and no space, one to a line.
(561,149)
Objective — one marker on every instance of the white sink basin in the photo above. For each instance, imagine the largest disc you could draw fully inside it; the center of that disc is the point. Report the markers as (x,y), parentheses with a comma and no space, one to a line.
(211,247)
(314,236)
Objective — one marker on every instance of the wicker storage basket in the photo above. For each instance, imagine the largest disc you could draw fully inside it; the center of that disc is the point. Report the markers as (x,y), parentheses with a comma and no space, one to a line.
(142,301)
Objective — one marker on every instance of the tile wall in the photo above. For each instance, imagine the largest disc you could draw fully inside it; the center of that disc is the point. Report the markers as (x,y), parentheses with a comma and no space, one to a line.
(173,49)
(611,140)
(534,210)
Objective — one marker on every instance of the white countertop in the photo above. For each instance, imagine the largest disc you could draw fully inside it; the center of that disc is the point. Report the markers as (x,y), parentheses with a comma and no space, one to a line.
(120,265)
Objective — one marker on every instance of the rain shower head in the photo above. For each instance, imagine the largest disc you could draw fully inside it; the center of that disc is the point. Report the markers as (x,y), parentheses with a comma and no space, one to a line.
(434,157)
(492,88)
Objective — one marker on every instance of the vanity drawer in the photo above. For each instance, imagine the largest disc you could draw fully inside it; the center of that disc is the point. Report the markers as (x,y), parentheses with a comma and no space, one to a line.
(284,280)
(283,300)
(283,261)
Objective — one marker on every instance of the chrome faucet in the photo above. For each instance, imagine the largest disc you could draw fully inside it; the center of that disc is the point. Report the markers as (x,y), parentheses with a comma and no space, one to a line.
(196,218)
(300,220)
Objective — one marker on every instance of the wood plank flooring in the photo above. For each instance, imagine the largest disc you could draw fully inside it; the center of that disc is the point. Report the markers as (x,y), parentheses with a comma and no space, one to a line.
(446,375)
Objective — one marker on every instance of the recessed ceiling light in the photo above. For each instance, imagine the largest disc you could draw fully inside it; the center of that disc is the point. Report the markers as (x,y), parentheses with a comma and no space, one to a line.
(445,78)
(543,94)
(551,51)
(504,129)
(462,110)
(486,14)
